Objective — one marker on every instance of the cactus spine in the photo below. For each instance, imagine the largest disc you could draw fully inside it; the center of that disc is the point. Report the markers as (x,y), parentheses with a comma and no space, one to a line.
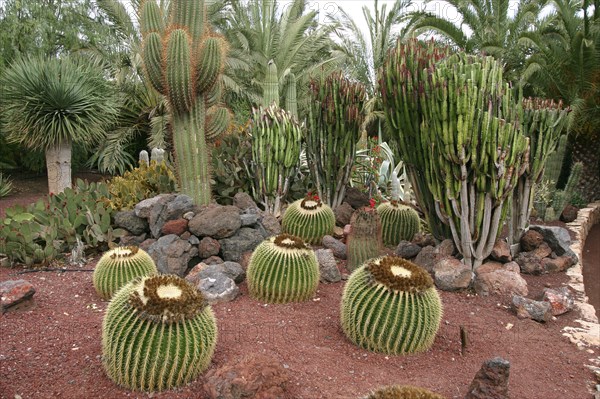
(158,333)
(309,219)
(364,241)
(403,392)
(335,118)
(183,61)
(119,266)
(390,305)
(398,222)
(283,269)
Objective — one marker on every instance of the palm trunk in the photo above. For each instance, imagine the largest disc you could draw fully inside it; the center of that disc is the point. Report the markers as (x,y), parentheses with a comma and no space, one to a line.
(58,165)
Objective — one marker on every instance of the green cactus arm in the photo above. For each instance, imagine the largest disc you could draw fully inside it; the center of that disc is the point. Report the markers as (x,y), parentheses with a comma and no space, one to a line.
(152,58)
(210,63)
(217,120)
(291,103)
(190,15)
(271,85)
(178,70)
(151,18)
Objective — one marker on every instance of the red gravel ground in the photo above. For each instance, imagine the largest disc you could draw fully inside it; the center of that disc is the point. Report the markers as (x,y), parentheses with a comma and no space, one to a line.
(53,349)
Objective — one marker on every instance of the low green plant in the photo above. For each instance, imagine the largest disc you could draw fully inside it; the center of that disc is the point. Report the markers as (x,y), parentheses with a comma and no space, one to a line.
(6,186)
(309,219)
(158,333)
(403,392)
(390,305)
(283,269)
(119,266)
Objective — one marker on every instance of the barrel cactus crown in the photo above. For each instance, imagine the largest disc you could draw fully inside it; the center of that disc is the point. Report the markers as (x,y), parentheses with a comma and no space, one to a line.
(390,305)
(283,269)
(158,333)
(403,392)
(364,241)
(398,222)
(119,266)
(309,219)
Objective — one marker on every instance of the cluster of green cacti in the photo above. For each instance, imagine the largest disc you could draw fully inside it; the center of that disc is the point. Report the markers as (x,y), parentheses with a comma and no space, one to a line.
(183,60)
(555,160)
(119,266)
(145,181)
(276,144)
(403,392)
(472,147)
(390,305)
(40,232)
(399,83)
(309,219)
(543,122)
(364,240)
(550,211)
(283,269)
(158,333)
(398,222)
(334,123)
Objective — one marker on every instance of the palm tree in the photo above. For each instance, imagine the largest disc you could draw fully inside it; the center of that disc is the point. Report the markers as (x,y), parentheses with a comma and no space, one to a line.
(50,104)
(566,66)
(485,26)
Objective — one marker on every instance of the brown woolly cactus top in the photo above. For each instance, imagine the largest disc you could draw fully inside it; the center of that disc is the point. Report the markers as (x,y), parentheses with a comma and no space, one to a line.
(289,241)
(398,274)
(403,392)
(311,202)
(166,299)
(123,252)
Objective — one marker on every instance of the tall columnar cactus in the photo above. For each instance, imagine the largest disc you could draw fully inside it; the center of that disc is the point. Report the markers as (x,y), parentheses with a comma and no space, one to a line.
(283,269)
(543,121)
(158,333)
(271,86)
(560,199)
(335,117)
(291,103)
(402,78)
(308,218)
(364,241)
(183,60)
(390,305)
(119,266)
(403,392)
(398,222)
(555,161)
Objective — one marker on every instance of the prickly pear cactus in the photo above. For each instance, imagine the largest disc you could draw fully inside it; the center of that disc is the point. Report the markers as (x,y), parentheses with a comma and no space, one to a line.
(390,305)
(119,266)
(403,392)
(398,222)
(364,241)
(283,269)
(158,333)
(309,219)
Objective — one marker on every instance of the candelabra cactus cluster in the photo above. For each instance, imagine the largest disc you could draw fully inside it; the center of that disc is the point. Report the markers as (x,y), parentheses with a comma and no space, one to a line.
(308,218)
(183,60)
(398,222)
(158,333)
(335,118)
(364,241)
(390,305)
(119,266)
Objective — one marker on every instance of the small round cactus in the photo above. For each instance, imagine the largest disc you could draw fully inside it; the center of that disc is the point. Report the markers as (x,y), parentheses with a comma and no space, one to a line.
(364,240)
(119,266)
(158,333)
(390,305)
(309,219)
(398,222)
(403,392)
(283,269)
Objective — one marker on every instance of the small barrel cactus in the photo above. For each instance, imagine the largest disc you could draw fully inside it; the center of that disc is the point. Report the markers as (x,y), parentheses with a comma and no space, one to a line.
(390,305)
(364,241)
(309,219)
(403,392)
(158,333)
(119,266)
(398,222)
(283,269)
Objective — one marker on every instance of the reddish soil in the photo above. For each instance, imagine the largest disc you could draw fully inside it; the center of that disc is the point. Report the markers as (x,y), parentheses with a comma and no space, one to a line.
(591,267)
(53,349)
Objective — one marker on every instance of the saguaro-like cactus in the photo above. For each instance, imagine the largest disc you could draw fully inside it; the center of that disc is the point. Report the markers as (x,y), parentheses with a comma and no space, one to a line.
(183,60)
(364,241)
(335,118)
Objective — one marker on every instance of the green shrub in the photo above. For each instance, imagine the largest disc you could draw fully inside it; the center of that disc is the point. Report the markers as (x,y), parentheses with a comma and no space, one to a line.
(6,186)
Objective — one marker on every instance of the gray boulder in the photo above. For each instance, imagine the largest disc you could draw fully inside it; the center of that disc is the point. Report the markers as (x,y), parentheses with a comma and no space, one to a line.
(218,288)
(246,239)
(407,249)
(130,222)
(558,239)
(172,254)
(170,208)
(249,218)
(15,294)
(270,224)
(494,278)
(343,213)
(244,201)
(491,381)
(202,270)
(328,266)
(337,247)
(450,274)
(144,208)
(529,309)
(216,221)
(530,263)
(208,247)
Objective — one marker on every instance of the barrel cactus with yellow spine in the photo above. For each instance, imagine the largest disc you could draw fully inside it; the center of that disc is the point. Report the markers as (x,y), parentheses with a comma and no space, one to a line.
(158,333)
(308,218)
(390,305)
(283,269)
(119,266)
(398,222)
(403,392)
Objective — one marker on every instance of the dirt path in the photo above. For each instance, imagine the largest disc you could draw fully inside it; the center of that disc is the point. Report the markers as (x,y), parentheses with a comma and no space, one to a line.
(591,267)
